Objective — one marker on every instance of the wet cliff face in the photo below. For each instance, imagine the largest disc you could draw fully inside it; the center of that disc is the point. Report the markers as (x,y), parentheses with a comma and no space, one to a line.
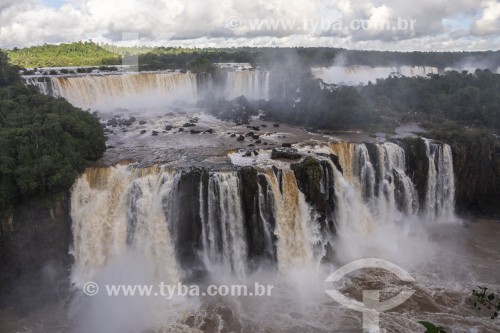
(34,257)
(476,160)
(417,164)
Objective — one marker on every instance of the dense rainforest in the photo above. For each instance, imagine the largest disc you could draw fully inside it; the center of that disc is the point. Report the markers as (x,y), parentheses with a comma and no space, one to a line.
(45,142)
(92,54)
(451,99)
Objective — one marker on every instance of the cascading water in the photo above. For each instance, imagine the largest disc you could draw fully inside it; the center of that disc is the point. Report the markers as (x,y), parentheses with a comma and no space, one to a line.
(148,89)
(118,208)
(224,233)
(440,194)
(115,209)
(198,221)
(120,90)
(397,186)
(250,83)
(293,222)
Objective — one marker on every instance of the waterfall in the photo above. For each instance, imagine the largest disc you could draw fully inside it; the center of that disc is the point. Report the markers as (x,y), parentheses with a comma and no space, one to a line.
(397,186)
(440,191)
(355,75)
(252,84)
(203,221)
(266,217)
(114,209)
(365,172)
(148,89)
(120,90)
(293,222)
(224,233)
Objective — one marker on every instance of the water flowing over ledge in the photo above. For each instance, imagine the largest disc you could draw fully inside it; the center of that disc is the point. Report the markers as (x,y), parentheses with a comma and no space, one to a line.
(194,222)
(150,89)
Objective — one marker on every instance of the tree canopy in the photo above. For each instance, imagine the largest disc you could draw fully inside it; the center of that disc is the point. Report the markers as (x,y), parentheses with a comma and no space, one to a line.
(45,142)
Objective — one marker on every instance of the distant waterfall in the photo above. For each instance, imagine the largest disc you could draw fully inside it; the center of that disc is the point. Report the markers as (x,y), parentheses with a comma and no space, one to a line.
(196,222)
(354,75)
(120,90)
(148,89)
(250,83)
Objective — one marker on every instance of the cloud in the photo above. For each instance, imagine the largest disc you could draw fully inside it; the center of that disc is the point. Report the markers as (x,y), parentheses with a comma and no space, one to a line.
(489,21)
(260,23)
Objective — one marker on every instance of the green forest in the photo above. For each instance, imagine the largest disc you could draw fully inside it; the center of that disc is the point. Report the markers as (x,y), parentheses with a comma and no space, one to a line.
(45,142)
(92,54)
(449,100)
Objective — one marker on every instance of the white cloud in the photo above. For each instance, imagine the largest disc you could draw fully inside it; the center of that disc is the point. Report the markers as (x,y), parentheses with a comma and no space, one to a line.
(205,22)
(489,22)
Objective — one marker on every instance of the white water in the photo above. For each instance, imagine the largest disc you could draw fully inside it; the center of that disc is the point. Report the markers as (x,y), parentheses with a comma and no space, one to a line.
(224,224)
(115,210)
(252,84)
(440,195)
(355,75)
(121,214)
(148,89)
(130,90)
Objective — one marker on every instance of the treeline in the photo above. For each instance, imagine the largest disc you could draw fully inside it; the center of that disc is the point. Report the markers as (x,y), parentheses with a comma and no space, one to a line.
(63,55)
(195,60)
(45,142)
(470,99)
(92,54)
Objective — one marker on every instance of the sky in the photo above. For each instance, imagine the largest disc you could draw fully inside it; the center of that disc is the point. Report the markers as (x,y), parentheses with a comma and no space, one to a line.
(425,25)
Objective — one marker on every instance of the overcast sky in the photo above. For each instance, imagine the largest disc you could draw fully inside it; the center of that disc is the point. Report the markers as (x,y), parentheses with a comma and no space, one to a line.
(352,24)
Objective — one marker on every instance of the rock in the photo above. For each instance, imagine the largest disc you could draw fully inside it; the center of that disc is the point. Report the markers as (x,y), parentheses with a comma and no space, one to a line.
(241,138)
(286,145)
(276,125)
(255,137)
(188,125)
(181,129)
(263,125)
(255,128)
(265,143)
(168,127)
(288,153)
(247,154)
(132,119)
(155,133)
(34,257)
(249,134)
(143,132)
(251,145)
(258,141)
(112,122)
(255,152)
(193,131)
(170,114)
(233,135)
(143,122)
(210,131)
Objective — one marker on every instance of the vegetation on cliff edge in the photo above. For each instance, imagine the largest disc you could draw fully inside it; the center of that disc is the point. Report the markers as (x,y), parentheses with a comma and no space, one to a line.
(44,142)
